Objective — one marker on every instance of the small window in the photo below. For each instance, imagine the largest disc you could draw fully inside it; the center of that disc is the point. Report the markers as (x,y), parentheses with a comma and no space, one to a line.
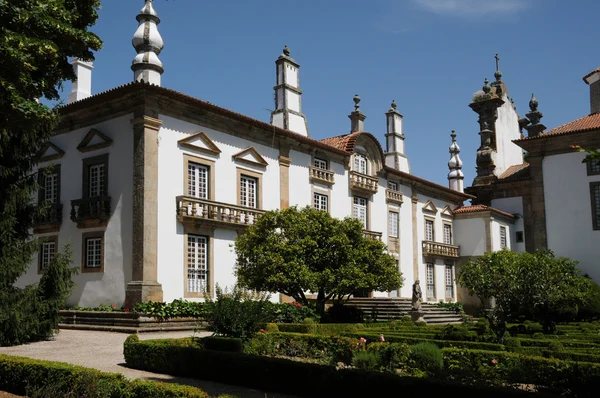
(47,252)
(93,252)
(198,180)
(197,264)
(320,164)
(430,281)
(392,185)
(448,234)
(429,231)
(595,194)
(519,237)
(503,237)
(49,185)
(449,279)
(320,201)
(593,167)
(95,176)
(393,221)
(248,191)
(360,163)
(359,210)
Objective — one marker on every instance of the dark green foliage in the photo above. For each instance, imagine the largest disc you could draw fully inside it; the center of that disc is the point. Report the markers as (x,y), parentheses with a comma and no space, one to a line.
(271,328)
(322,328)
(222,344)
(55,379)
(285,376)
(365,360)
(36,39)
(393,338)
(456,307)
(176,309)
(290,312)
(590,309)
(237,314)
(556,346)
(339,313)
(427,357)
(456,333)
(390,356)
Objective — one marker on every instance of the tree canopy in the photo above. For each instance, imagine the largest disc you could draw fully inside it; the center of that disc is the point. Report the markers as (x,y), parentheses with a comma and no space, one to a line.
(294,251)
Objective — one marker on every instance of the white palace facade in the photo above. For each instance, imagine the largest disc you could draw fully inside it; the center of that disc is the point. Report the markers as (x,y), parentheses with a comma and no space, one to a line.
(151,187)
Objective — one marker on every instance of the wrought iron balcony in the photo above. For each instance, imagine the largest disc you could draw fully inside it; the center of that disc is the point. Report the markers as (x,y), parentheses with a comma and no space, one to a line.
(50,220)
(91,212)
(203,211)
(393,196)
(436,249)
(363,183)
(322,175)
(372,235)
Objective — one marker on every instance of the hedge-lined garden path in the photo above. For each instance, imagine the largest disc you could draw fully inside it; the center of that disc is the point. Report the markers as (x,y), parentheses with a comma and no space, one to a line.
(104,351)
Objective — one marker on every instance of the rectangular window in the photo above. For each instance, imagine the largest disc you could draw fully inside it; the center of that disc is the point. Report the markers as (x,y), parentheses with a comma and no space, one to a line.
(392,185)
(360,163)
(448,234)
(519,236)
(449,278)
(595,193)
(197,264)
(51,188)
(47,252)
(93,252)
(393,221)
(320,164)
(593,167)
(359,210)
(429,231)
(430,281)
(248,191)
(197,180)
(320,201)
(503,237)
(95,176)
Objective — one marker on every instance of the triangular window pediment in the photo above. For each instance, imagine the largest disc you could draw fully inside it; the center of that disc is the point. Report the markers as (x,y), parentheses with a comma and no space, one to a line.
(447,211)
(429,207)
(93,140)
(200,142)
(250,156)
(50,152)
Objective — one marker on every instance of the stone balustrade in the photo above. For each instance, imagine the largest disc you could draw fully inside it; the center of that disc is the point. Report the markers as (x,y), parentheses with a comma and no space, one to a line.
(372,235)
(89,212)
(191,209)
(322,175)
(363,182)
(393,196)
(440,249)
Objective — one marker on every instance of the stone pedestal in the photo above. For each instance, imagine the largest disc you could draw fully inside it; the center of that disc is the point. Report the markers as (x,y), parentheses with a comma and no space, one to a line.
(141,292)
(417,315)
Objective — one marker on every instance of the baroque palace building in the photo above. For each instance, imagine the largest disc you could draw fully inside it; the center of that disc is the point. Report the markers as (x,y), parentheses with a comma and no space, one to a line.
(151,186)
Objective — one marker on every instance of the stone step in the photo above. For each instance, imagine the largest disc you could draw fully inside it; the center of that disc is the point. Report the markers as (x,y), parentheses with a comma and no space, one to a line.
(390,308)
(125,329)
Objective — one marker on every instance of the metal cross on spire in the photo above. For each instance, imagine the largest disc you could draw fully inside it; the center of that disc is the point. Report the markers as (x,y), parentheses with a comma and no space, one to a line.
(497,62)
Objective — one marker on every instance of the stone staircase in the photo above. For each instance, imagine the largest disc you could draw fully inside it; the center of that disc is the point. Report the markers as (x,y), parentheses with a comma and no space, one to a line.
(391,308)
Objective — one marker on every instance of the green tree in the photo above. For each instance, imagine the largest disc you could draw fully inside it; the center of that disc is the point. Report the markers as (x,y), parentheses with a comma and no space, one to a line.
(295,251)
(536,283)
(36,39)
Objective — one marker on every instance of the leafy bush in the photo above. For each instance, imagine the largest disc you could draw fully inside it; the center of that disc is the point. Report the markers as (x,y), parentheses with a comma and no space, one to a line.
(420,323)
(290,312)
(321,328)
(222,344)
(365,360)
(556,346)
(177,308)
(393,338)
(591,308)
(237,314)
(455,333)
(390,356)
(534,327)
(513,345)
(24,376)
(271,328)
(456,307)
(538,336)
(339,313)
(427,357)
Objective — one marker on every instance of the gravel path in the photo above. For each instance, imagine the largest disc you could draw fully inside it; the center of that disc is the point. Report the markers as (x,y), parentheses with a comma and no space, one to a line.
(104,351)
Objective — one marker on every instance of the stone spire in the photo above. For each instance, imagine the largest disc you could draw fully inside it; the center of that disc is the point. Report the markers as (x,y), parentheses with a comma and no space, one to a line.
(534,116)
(288,96)
(357,118)
(148,43)
(455,177)
(394,141)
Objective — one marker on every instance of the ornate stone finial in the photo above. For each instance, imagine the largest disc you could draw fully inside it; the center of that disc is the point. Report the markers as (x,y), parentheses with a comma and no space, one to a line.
(356,100)
(533,103)
(286,51)
(455,176)
(148,43)
(394,105)
(498,74)
(453,135)
(486,86)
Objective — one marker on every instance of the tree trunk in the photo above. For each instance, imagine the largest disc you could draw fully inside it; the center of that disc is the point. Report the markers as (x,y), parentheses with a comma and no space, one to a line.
(321,302)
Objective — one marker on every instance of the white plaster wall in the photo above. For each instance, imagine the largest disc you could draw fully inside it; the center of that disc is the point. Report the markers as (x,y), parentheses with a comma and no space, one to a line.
(507,129)
(513,206)
(280,96)
(277,119)
(108,287)
(568,211)
(495,229)
(470,235)
(170,185)
(300,189)
(297,124)
(291,77)
(293,101)
(379,218)
(406,242)
(341,196)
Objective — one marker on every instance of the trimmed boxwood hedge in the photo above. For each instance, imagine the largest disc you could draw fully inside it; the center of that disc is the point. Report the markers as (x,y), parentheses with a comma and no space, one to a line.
(24,376)
(393,338)
(274,374)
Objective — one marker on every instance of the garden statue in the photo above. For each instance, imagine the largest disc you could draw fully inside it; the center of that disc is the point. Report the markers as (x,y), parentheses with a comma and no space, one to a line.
(417,296)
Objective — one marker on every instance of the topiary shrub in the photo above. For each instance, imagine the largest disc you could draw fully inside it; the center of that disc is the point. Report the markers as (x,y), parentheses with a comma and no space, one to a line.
(421,323)
(365,360)
(590,309)
(271,328)
(454,333)
(222,344)
(556,346)
(513,345)
(427,357)
(538,336)
(339,313)
(534,327)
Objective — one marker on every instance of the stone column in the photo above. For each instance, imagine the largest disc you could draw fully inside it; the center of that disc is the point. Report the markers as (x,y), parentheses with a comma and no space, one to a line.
(284,194)
(144,285)
(415,235)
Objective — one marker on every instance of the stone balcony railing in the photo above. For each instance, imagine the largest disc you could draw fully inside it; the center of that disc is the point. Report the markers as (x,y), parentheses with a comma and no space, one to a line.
(440,249)
(203,211)
(363,182)
(322,175)
(49,221)
(91,212)
(393,196)
(372,235)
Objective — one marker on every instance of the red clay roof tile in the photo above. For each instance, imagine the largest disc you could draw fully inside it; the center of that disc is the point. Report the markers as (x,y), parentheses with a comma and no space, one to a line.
(481,208)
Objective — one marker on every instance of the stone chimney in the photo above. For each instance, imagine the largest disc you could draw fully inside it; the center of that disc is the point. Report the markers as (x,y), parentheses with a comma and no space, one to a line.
(394,141)
(82,87)
(593,79)
(357,118)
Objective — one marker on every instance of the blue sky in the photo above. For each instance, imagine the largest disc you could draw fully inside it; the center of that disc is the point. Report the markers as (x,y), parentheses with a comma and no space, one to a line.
(428,55)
